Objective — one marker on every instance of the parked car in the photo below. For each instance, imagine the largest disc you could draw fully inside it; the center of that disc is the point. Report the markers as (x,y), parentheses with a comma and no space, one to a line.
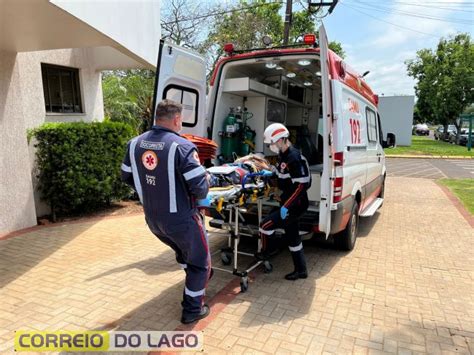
(439,133)
(464,136)
(421,129)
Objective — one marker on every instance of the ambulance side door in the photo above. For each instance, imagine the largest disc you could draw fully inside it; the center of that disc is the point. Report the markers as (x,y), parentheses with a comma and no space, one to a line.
(181,77)
(327,191)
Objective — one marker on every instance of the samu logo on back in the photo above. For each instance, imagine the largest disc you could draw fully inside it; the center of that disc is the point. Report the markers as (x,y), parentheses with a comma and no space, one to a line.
(149,160)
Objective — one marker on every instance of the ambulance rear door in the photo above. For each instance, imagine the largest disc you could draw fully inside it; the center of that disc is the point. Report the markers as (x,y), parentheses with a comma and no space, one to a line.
(327,175)
(181,77)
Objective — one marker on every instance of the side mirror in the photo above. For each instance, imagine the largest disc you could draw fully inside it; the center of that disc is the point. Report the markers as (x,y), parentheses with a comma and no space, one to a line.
(390,142)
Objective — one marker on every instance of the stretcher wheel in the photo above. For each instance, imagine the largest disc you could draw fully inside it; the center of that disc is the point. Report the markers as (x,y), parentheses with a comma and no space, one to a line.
(268,267)
(226,258)
(244,284)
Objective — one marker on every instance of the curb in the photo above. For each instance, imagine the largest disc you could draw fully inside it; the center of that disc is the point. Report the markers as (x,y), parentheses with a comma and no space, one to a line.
(428,156)
(458,204)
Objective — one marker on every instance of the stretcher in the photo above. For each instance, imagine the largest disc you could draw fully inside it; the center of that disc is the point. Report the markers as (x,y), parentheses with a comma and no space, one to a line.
(232,199)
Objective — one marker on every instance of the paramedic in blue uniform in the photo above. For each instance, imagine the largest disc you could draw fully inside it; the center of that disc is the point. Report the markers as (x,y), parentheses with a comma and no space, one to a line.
(294,179)
(165,171)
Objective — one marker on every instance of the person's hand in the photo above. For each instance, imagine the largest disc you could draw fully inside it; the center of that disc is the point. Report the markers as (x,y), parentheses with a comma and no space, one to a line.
(283,212)
(205,202)
(266,173)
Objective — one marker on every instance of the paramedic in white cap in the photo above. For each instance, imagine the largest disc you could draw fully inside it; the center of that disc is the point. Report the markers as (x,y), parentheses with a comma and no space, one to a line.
(294,179)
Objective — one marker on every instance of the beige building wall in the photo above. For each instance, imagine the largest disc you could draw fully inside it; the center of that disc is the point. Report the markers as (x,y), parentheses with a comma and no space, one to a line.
(17,208)
(22,107)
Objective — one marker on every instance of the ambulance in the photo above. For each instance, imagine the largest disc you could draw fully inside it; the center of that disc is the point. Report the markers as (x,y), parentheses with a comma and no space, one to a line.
(329,109)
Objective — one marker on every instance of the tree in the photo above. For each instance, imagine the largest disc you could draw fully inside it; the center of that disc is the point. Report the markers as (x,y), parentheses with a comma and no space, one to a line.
(128,97)
(246,24)
(445,79)
(184,22)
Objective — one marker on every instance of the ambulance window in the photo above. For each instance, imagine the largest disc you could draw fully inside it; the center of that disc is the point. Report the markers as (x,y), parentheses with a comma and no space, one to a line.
(186,97)
(371,125)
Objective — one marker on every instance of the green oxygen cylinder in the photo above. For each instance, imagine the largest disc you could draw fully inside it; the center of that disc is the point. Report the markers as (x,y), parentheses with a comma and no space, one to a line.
(229,136)
(247,144)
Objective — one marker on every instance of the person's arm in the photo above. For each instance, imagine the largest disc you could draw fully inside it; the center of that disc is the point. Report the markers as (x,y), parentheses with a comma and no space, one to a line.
(126,170)
(300,174)
(193,172)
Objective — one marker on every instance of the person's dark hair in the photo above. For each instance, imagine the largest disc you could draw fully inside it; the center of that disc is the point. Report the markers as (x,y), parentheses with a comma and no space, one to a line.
(167,110)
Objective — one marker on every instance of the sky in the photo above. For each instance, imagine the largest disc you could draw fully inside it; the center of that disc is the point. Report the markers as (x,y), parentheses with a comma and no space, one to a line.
(366,29)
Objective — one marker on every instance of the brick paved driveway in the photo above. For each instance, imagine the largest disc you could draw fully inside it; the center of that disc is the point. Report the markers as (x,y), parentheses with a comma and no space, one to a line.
(407,287)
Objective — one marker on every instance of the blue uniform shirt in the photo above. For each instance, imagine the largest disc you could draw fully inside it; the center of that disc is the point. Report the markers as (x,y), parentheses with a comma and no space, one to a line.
(165,171)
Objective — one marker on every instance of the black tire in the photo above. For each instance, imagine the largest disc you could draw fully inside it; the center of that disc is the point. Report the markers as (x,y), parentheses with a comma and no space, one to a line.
(244,284)
(226,258)
(268,267)
(346,239)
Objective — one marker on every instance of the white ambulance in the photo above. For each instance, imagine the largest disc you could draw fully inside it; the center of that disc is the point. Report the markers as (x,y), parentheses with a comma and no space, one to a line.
(329,109)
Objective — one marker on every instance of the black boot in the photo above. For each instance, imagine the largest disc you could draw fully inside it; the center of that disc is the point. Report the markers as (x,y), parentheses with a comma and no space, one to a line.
(299,263)
(187,319)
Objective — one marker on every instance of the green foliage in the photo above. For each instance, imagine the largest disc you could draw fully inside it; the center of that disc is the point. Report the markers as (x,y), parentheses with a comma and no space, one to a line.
(79,164)
(336,47)
(427,146)
(246,27)
(463,189)
(128,97)
(445,78)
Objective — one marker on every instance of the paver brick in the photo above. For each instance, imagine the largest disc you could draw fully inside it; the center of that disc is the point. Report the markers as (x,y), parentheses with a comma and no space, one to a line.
(406,287)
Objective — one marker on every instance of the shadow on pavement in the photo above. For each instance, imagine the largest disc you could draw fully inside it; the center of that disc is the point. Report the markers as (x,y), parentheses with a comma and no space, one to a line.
(151,266)
(20,254)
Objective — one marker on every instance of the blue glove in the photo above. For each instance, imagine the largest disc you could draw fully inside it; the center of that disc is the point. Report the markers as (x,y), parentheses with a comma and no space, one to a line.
(283,212)
(205,202)
(267,173)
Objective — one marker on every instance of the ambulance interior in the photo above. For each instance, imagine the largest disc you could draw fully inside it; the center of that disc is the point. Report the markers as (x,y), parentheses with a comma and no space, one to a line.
(278,89)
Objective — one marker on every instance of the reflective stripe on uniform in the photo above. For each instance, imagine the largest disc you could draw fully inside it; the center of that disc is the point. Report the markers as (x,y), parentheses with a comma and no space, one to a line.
(136,178)
(296,248)
(283,176)
(126,168)
(188,292)
(194,173)
(172,178)
(183,266)
(302,180)
(267,232)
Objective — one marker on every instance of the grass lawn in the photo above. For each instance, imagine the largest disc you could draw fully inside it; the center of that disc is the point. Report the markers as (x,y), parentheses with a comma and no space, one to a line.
(426,146)
(463,189)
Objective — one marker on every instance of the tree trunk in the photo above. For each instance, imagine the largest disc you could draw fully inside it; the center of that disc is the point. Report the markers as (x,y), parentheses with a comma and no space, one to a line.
(458,131)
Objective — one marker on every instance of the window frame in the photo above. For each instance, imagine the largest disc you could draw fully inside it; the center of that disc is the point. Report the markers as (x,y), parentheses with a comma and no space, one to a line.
(183,89)
(367,110)
(77,99)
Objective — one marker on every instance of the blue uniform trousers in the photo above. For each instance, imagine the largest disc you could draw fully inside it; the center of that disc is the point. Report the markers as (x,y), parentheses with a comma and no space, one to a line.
(188,238)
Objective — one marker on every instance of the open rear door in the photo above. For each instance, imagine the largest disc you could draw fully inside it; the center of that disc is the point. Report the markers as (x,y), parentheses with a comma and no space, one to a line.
(181,77)
(327,176)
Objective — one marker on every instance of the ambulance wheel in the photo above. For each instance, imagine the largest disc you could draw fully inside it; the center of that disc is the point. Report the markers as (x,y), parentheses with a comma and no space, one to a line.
(226,258)
(244,284)
(267,266)
(346,239)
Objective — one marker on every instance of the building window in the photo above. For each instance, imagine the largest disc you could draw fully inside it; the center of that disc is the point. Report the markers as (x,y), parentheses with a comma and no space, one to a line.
(61,89)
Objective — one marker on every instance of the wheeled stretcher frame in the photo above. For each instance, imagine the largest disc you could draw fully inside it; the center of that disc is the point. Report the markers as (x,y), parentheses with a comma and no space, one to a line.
(231,252)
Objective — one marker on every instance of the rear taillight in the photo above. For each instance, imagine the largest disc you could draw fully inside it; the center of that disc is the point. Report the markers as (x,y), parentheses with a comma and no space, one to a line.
(338,183)
(339,159)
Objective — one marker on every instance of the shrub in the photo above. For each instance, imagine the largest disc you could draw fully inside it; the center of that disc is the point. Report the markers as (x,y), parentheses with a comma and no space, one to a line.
(79,164)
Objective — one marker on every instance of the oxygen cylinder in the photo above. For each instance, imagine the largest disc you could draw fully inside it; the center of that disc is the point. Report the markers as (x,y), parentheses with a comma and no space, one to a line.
(229,136)
(248,145)
(247,135)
